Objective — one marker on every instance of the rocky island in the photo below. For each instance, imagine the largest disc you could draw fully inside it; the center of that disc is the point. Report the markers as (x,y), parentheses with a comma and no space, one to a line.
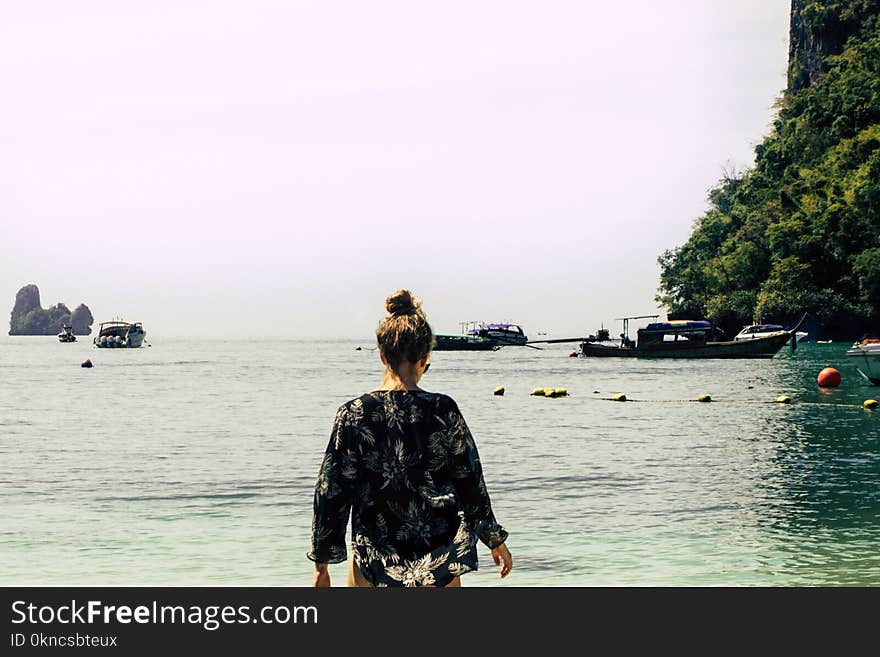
(30,318)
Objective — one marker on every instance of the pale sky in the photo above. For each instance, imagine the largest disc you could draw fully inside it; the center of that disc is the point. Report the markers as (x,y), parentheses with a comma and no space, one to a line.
(277,169)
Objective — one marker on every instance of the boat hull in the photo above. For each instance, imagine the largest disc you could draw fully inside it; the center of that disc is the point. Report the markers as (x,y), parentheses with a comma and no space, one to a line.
(800,336)
(756,348)
(124,345)
(462,343)
(132,342)
(867,362)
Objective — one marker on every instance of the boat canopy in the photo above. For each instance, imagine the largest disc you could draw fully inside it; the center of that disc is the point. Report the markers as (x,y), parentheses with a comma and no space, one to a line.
(120,328)
(496,327)
(677,326)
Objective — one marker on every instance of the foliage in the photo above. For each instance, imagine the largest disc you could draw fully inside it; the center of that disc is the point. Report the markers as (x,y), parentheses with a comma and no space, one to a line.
(866,268)
(800,232)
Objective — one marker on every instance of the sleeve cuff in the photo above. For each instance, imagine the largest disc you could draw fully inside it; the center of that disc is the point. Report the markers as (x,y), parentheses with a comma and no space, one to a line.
(334,555)
(492,535)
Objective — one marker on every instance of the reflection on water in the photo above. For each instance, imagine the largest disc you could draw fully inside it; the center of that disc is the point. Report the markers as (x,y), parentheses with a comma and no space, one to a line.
(819,503)
(823,510)
(194,463)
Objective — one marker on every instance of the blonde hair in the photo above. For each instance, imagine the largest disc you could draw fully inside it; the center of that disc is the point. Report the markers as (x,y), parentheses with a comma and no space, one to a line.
(405,334)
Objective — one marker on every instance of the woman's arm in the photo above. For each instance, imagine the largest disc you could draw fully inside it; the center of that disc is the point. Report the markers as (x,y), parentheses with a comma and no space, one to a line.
(332,502)
(467,478)
(499,555)
(322,576)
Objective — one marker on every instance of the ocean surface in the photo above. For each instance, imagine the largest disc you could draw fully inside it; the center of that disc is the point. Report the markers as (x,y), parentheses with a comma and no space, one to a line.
(193,463)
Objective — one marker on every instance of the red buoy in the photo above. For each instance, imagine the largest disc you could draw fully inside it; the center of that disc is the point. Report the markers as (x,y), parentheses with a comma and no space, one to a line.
(829,378)
(86,363)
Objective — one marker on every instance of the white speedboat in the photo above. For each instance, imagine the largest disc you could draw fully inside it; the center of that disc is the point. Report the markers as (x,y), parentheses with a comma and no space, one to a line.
(866,355)
(120,334)
(754,331)
(501,334)
(482,337)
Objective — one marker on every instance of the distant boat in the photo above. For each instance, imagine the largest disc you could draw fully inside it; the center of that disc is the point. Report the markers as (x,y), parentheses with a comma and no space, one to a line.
(118,334)
(503,334)
(482,337)
(764,330)
(66,334)
(866,354)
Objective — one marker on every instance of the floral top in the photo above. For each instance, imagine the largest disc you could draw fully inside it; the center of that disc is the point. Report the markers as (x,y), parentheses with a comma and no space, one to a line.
(405,465)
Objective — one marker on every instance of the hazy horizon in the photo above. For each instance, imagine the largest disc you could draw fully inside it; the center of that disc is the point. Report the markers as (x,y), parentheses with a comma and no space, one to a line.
(278,169)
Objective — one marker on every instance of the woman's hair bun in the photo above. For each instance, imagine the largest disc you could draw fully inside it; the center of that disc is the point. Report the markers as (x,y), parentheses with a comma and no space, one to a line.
(404,335)
(401,303)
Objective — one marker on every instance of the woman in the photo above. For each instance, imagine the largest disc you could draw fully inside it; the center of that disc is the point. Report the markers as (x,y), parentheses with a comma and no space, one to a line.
(403,462)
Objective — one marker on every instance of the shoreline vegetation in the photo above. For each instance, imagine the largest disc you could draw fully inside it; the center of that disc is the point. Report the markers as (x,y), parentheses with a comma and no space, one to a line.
(799,232)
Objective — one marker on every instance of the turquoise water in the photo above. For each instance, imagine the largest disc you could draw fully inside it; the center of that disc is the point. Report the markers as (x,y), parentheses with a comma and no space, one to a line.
(192,463)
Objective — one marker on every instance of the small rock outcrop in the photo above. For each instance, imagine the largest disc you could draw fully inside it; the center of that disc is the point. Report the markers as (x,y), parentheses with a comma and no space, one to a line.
(30,318)
(81,320)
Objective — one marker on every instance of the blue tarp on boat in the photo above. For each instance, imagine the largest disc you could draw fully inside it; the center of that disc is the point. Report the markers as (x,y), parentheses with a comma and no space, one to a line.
(677,325)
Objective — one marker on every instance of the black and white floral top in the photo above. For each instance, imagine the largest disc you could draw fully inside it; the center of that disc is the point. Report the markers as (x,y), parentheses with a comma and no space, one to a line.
(405,465)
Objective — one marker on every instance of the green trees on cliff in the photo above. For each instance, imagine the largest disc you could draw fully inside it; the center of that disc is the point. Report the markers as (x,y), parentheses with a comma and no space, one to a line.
(800,232)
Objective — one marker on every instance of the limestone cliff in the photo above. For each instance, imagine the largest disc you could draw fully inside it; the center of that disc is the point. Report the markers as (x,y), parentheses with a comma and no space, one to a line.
(30,318)
(821,29)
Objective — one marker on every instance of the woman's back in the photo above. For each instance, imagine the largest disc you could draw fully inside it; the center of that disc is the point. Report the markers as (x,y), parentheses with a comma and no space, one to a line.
(406,465)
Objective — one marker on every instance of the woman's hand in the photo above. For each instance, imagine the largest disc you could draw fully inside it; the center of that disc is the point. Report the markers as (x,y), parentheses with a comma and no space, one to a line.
(322,576)
(499,554)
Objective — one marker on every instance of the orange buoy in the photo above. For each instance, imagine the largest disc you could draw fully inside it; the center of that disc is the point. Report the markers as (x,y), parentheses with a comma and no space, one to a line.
(829,378)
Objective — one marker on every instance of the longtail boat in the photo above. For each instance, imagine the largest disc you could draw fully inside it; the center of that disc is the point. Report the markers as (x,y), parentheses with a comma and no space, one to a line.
(679,339)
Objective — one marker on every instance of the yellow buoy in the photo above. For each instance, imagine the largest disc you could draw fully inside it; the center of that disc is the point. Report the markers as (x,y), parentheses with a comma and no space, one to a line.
(704,398)
(783,399)
(499,391)
(619,397)
(871,404)
(561,392)
(538,392)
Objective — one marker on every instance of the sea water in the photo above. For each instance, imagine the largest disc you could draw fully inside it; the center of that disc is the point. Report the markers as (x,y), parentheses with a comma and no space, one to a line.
(193,462)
